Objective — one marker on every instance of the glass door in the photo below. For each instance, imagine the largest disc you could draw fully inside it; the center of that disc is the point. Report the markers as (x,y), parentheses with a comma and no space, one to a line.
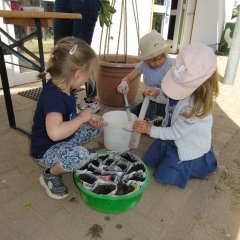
(161,16)
(166,19)
(19,71)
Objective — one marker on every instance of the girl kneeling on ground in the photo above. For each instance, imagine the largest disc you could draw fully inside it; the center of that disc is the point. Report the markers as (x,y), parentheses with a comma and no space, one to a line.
(183,149)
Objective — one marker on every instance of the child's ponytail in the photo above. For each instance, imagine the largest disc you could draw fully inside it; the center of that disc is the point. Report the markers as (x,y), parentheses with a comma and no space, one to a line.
(68,56)
(42,75)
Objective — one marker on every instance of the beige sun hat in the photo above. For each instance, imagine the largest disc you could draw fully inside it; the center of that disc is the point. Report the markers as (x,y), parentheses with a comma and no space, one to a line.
(152,45)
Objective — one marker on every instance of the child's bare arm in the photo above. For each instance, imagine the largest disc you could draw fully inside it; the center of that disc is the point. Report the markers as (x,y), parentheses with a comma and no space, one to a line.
(57,129)
(142,126)
(156,94)
(151,91)
(131,76)
(123,86)
(96,121)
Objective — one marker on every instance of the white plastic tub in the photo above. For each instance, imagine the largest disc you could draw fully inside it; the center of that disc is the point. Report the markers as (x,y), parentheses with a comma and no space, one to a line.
(118,130)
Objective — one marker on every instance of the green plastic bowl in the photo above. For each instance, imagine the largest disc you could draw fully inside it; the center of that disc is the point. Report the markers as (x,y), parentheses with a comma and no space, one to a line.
(111,204)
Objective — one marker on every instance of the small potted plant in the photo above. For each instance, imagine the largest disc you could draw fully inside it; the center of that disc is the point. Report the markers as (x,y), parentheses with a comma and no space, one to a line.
(115,62)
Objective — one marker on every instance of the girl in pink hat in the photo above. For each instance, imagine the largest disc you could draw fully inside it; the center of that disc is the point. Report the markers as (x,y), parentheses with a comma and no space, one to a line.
(183,148)
(154,64)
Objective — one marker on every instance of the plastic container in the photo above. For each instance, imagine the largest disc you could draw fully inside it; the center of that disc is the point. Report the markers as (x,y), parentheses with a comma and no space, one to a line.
(226,38)
(118,130)
(111,204)
(113,68)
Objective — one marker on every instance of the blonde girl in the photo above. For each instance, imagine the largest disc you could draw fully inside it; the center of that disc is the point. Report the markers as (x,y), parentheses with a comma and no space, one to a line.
(58,130)
(183,149)
(153,65)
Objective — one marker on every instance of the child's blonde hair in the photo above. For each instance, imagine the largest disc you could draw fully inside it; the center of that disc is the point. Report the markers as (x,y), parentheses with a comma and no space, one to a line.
(204,97)
(68,56)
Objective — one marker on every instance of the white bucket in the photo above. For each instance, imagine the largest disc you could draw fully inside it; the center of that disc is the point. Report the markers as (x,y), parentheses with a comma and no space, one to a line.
(118,130)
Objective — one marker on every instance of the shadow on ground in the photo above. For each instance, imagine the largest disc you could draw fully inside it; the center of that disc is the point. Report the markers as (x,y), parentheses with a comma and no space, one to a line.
(206,209)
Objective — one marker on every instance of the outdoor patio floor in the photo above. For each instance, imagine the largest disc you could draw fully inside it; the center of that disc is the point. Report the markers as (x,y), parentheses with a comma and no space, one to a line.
(164,212)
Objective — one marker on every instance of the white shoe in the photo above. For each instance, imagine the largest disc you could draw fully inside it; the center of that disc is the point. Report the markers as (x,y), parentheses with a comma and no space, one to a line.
(89,103)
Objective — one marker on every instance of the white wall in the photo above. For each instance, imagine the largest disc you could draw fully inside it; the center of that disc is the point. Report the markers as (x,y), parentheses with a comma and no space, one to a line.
(209,20)
(210,17)
(144,14)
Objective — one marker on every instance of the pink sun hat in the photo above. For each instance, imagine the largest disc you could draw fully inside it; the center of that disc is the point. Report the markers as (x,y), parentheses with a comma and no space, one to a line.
(193,66)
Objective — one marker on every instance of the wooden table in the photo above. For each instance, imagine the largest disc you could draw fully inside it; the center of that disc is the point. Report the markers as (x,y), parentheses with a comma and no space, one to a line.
(29,18)
(33,19)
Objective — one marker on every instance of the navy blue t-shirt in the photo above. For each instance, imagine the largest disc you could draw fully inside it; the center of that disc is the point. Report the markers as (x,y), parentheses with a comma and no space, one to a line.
(171,107)
(51,99)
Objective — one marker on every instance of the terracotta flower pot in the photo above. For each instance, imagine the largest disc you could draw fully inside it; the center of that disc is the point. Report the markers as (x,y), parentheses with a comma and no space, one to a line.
(110,75)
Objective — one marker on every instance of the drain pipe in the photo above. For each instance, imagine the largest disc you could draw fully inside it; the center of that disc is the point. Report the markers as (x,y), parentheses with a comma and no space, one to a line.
(234,54)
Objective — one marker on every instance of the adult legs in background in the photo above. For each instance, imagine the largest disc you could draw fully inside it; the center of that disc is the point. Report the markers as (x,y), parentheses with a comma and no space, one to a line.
(89,9)
(83,29)
(62,27)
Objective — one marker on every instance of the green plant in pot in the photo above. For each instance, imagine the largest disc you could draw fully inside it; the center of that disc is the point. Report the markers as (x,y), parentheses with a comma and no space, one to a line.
(115,61)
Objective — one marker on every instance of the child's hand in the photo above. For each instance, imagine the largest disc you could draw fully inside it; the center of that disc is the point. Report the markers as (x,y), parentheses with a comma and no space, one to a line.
(142,126)
(96,121)
(123,87)
(85,115)
(151,91)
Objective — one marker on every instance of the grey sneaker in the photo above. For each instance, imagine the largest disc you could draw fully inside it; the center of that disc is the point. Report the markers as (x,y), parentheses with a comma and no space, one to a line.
(53,185)
(156,121)
(88,103)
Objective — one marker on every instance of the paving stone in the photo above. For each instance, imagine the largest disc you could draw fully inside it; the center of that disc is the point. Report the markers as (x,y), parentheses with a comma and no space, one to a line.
(47,233)
(112,225)
(189,211)
(8,232)
(164,212)
(151,197)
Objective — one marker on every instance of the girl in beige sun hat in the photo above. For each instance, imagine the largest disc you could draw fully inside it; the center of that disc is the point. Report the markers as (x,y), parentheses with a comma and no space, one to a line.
(182,149)
(154,64)
(152,45)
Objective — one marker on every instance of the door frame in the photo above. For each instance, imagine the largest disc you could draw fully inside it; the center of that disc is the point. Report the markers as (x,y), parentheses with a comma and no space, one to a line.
(15,76)
(166,11)
(163,10)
